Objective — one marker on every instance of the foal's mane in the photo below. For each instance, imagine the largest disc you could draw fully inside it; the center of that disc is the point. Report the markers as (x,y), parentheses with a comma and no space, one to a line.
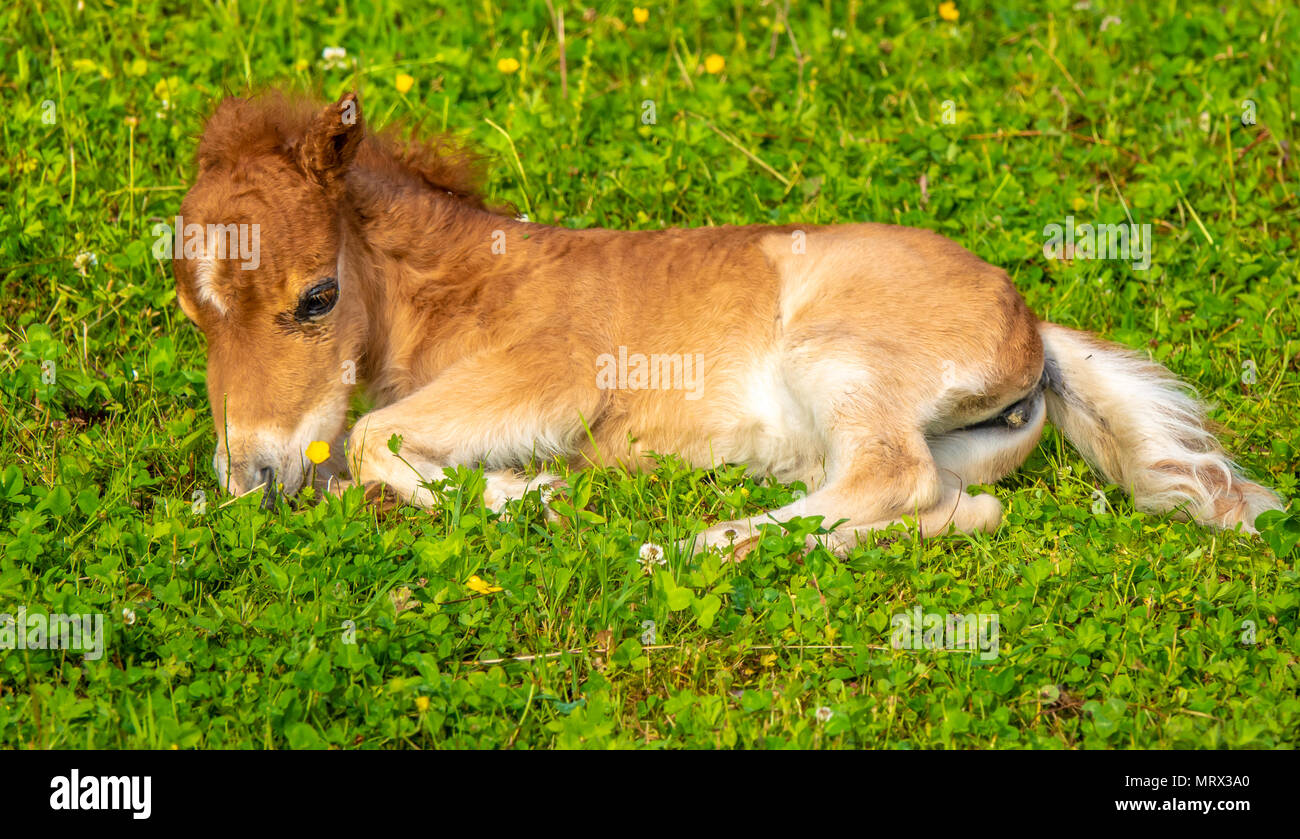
(273,121)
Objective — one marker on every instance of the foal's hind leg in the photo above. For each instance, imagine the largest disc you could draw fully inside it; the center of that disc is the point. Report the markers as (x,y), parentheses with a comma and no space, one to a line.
(924,479)
(963,457)
(986,455)
(880,471)
(494,409)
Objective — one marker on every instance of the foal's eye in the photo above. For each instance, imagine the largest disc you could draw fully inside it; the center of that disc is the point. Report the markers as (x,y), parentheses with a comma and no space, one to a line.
(318,300)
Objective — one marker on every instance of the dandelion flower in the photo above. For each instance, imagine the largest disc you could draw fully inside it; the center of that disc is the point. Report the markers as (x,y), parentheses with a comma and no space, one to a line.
(948,11)
(318,452)
(404,82)
(508,65)
(714,64)
(640,15)
(422,703)
(476,584)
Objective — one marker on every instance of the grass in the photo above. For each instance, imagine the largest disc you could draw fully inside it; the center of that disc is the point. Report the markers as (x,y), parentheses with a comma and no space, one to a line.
(337,625)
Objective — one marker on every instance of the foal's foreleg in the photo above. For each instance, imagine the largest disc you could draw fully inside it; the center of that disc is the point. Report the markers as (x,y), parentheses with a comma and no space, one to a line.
(490,411)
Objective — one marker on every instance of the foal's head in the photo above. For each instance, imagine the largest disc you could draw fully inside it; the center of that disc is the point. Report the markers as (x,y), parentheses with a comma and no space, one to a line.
(260,269)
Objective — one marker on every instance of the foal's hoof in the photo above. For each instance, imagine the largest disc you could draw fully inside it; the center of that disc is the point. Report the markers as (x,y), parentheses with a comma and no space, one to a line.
(382,497)
(377,494)
(736,541)
(744,548)
(503,488)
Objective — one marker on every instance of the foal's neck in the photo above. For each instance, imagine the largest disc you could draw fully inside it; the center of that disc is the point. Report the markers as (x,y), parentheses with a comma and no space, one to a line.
(421,256)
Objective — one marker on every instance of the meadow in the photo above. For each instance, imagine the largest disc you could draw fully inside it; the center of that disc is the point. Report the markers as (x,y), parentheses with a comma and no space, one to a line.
(338,623)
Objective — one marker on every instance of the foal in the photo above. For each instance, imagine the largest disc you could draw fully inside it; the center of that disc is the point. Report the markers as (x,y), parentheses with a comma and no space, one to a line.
(885,367)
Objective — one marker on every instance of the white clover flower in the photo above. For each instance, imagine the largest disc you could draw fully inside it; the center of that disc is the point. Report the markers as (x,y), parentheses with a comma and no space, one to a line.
(652,555)
(334,57)
(83,261)
(839,34)
(824,714)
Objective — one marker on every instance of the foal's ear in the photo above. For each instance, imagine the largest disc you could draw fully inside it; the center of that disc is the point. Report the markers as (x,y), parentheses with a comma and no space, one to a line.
(331,141)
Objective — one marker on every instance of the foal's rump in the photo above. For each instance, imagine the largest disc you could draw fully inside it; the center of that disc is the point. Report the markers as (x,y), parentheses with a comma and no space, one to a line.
(916,307)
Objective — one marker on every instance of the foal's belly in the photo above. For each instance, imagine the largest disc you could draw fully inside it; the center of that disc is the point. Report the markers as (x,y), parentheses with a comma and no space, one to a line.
(749,411)
(764,423)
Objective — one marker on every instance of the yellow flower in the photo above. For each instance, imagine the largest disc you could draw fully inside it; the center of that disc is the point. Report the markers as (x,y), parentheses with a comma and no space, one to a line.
(301,65)
(640,15)
(948,10)
(403,82)
(318,452)
(714,64)
(476,584)
(508,65)
(422,703)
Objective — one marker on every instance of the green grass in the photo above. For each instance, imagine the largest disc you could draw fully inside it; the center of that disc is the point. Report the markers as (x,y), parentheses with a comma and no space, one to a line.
(1118,629)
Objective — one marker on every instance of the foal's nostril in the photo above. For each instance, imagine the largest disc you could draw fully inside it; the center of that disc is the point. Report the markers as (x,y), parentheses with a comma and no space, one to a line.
(267,479)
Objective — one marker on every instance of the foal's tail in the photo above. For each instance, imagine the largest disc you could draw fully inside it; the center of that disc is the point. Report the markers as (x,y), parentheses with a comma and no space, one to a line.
(1137,423)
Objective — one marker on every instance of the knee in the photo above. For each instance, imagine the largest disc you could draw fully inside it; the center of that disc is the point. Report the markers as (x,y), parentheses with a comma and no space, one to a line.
(980,512)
